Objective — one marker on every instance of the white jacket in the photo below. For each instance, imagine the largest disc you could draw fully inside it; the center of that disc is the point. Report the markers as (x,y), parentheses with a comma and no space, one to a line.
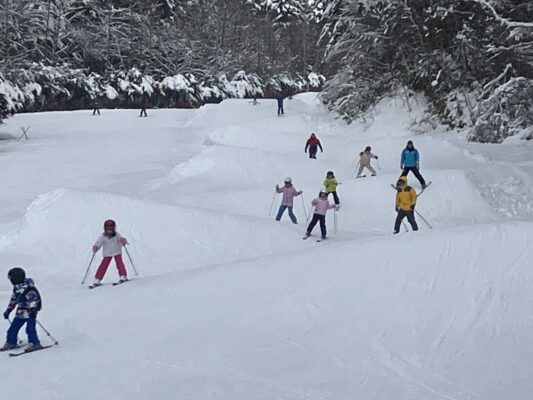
(110,245)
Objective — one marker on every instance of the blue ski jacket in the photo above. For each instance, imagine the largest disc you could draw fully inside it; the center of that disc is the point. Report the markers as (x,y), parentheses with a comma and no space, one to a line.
(280,101)
(26,298)
(410,158)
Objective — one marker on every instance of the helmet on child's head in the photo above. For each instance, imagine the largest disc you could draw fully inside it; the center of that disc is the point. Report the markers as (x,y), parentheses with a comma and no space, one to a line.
(109,223)
(313,135)
(16,275)
(322,191)
(330,173)
(287,180)
(368,148)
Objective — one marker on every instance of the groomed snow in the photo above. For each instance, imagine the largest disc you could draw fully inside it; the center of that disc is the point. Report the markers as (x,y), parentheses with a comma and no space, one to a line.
(231,304)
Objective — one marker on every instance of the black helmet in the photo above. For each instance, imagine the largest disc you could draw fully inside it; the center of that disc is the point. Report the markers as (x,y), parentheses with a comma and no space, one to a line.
(368,148)
(16,275)
(330,173)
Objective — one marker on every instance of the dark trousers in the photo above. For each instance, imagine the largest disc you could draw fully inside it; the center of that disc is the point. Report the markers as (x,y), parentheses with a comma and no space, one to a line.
(318,218)
(335,197)
(410,217)
(313,149)
(280,110)
(416,172)
(14,329)
(143,112)
(96,110)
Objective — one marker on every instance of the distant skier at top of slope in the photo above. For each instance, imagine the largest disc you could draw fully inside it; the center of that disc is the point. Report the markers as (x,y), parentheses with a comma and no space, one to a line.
(321,205)
(405,204)
(280,99)
(27,300)
(144,105)
(365,157)
(287,202)
(330,184)
(313,143)
(111,243)
(410,161)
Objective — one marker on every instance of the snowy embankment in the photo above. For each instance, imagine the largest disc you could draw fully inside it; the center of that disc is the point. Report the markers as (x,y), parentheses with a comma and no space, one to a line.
(231,304)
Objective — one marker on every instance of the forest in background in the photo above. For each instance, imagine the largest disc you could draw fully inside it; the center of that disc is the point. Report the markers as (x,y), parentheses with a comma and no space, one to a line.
(472,59)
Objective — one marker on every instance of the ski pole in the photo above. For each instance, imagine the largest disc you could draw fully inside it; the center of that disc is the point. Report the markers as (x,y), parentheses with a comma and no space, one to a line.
(131,261)
(19,342)
(357,167)
(405,226)
(423,219)
(303,205)
(309,214)
(272,204)
(48,333)
(335,222)
(379,166)
(88,268)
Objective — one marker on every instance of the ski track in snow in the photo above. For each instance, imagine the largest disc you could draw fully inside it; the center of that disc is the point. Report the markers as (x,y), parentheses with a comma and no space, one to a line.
(230,303)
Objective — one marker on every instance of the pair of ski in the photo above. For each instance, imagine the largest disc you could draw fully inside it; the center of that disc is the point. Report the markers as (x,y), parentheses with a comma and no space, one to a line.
(422,191)
(27,351)
(94,286)
(318,240)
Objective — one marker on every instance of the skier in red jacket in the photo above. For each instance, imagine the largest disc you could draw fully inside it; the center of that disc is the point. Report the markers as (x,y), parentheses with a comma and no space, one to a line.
(313,143)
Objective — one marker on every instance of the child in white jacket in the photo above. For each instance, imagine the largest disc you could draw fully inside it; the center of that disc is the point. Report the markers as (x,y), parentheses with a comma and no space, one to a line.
(111,243)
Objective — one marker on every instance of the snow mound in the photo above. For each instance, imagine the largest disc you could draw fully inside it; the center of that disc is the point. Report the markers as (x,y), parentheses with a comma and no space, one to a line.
(196,236)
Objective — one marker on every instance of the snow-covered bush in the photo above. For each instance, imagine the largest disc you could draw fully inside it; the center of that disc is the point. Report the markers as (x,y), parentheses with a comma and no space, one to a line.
(504,111)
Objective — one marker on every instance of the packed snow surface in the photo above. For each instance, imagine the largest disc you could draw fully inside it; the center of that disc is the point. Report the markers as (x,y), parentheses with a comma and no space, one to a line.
(229,303)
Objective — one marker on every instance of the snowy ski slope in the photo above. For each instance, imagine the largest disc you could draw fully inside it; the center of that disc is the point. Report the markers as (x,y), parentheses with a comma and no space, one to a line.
(231,304)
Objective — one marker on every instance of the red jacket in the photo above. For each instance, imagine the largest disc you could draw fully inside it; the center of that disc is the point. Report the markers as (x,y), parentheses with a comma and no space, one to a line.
(313,141)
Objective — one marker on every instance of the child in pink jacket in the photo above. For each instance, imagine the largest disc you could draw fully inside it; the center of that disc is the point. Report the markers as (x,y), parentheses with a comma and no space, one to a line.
(111,243)
(321,205)
(287,202)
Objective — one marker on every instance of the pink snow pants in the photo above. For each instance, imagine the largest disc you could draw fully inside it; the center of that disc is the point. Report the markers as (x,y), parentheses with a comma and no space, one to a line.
(105,263)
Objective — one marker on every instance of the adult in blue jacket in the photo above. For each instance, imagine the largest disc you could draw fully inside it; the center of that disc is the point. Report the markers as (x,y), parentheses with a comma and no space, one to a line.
(411,162)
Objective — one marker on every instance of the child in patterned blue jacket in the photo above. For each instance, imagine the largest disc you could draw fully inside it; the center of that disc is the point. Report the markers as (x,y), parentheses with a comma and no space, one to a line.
(27,299)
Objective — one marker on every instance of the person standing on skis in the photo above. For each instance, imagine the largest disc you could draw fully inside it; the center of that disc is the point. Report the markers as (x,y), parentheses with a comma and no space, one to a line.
(111,243)
(27,300)
(287,202)
(364,161)
(313,143)
(410,161)
(330,183)
(280,99)
(321,205)
(405,204)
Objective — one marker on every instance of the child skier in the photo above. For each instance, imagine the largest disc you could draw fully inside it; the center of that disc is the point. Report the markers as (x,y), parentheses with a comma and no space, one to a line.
(312,144)
(321,205)
(27,300)
(287,202)
(405,204)
(111,243)
(330,183)
(364,161)
(410,161)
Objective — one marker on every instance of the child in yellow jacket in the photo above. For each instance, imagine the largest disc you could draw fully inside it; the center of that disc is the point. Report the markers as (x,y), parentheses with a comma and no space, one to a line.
(405,204)
(330,183)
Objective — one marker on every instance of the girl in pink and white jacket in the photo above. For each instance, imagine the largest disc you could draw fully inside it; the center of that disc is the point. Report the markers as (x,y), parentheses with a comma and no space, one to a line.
(287,202)
(111,243)
(322,206)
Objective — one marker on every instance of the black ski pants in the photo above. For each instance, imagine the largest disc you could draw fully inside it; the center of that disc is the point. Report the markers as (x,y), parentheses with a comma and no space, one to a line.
(96,110)
(335,197)
(318,218)
(410,217)
(281,111)
(143,112)
(313,149)
(416,172)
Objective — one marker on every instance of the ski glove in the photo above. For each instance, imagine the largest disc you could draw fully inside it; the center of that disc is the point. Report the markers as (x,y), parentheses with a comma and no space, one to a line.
(123,241)
(6,313)
(32,314)
(397,209)
(95,249)
(413,207)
